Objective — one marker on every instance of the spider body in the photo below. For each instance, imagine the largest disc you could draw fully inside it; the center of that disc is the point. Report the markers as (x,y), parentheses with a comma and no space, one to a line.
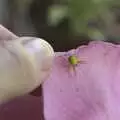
(73,60)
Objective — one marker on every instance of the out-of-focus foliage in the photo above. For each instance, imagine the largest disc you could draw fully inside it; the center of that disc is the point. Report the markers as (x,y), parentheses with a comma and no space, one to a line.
(80,12)
(56,13)
(21,4)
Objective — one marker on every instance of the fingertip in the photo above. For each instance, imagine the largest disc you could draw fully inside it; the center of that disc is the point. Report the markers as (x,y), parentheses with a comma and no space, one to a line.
(6,34)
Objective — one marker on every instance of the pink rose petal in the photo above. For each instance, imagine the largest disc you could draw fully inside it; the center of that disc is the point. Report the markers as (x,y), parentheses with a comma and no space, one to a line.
(91,92)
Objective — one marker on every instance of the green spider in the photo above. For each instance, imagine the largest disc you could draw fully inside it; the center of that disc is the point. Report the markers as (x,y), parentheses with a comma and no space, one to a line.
(74,61)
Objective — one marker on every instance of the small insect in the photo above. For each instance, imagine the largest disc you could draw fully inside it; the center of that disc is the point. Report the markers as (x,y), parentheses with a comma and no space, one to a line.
(74,61)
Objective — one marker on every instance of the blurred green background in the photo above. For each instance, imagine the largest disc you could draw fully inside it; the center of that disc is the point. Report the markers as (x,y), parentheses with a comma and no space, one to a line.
(65,24)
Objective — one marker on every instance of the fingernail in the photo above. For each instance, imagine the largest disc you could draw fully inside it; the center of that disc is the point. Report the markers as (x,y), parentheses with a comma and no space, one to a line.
(41,51)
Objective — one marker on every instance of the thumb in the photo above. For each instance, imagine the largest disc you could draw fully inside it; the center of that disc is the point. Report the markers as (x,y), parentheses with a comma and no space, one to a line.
(5,34)
(24,65)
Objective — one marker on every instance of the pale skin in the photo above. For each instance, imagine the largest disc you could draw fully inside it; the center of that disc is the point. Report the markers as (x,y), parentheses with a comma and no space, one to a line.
(22,70)
(5,34)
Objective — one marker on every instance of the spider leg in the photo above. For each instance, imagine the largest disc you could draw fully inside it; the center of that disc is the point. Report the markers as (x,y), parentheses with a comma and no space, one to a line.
(64,60)
(72,68)
(81,62)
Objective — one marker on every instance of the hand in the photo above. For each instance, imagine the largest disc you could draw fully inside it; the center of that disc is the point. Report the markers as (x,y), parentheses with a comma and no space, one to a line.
(5,34)
(25,63)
